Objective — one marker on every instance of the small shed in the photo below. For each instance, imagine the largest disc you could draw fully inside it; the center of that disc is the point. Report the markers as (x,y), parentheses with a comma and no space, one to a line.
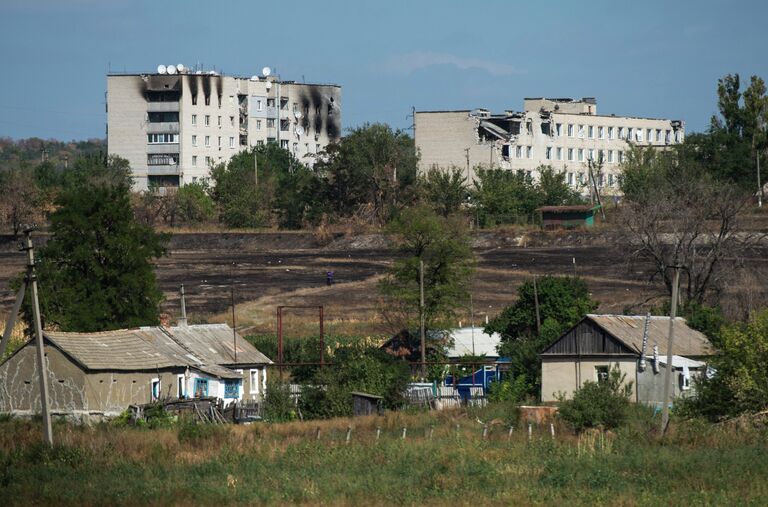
(367,404)
(568,217)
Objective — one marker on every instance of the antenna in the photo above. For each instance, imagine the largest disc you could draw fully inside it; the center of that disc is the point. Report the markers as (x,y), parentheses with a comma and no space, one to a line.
(161,69)
(266,71)
(171,69)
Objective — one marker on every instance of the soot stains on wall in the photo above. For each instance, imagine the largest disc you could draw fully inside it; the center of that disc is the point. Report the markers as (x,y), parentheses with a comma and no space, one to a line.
(321,110)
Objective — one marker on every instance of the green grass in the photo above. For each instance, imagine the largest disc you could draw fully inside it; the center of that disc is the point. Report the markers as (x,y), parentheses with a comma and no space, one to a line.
(284,464)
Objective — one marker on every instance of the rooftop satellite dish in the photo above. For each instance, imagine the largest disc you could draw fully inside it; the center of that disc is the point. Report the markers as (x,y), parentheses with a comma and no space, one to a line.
(213,73)
(299,130)
(266,71)
(171,69)
(297,114)
(161,69)
(180,68)
(268,85)
(254,78)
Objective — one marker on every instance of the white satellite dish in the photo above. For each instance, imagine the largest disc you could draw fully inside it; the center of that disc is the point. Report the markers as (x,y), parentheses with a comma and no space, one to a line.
(171,69)
(254,78)
(161,69)
(213,73)
(297,114)
(266,71)
(180,68)
(299,131)
(268,85)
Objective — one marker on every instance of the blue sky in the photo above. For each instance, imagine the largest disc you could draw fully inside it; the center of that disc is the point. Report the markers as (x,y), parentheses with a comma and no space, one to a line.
(642,58)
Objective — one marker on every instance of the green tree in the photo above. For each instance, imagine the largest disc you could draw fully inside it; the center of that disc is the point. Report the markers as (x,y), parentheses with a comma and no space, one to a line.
(563,301)
(193,204)
(445,191)
(502,196)
(553,189)
(598,404)
(372,170)
(740,382)
(96,270)
(443,245)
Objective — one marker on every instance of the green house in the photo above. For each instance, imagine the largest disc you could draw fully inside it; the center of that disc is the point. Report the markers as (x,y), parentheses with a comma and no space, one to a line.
(568,217)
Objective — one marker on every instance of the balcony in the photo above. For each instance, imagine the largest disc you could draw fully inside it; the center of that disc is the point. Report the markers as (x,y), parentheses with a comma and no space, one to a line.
(163,128)
(162,107)
(162,148)
(163,170)
(271,112)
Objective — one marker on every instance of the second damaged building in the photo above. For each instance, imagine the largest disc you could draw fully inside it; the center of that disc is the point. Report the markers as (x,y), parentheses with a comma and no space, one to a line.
(563,133)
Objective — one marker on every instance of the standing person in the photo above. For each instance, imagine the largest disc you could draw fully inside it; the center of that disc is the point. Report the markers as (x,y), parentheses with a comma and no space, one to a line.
(329,278)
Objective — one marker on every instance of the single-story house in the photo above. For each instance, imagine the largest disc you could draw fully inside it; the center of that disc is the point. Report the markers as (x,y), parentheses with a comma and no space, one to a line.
(597,343)
(468,341)
(102,373)
(568,217)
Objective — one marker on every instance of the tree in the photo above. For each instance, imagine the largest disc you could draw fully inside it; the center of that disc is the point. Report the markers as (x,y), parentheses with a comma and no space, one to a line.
(502,196)
(96,271)
(443,245)
(553,189)
(563,301)
(192,203)
(444,191)
(739,383)
(21,199)
(676,214)
(373,166)
(598,404)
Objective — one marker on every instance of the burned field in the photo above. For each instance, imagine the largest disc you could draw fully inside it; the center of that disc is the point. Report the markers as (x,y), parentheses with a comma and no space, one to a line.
(271,269)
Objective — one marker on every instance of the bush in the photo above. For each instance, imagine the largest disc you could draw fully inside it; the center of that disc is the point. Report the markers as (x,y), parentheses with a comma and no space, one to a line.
(513,390)
(602,404)
(278,405)
(196,433)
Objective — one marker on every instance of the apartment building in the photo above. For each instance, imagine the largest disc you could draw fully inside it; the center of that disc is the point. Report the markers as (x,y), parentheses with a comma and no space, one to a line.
(173,125)
(563,133)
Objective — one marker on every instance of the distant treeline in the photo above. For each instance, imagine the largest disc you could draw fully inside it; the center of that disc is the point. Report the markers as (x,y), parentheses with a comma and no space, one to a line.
(35,150)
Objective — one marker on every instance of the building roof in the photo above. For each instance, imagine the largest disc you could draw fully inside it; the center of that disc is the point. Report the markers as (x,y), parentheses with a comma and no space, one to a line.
(629,330)
(484,344)
(207,348)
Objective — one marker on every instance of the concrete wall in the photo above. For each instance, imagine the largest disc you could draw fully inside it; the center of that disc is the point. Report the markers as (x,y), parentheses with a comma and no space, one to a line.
(650,385)
(254,391)
(567,375)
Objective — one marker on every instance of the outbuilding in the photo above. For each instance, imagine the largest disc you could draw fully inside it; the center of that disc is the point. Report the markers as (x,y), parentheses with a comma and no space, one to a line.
(568,217)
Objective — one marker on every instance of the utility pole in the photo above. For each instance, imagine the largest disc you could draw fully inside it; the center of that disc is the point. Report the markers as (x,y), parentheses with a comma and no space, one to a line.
(255,169)
(536,304)
(232,297)
(183,319)
(670,369)
(472,319)
(466,153)
(421,319)
(759,183)
(42,367)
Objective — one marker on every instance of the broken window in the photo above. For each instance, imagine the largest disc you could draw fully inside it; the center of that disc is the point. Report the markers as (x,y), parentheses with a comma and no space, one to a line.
(284,125)
(270,103)
(559,129)
(163,117)
(519,152)
(545,128)
(529,126)
(155,389)
(270,123)
(601,374)
(243,139)
(505,152)
(194,99)
(207,100)
(284,144)
(284,103)
(231,388)
(529,152)
(548,153)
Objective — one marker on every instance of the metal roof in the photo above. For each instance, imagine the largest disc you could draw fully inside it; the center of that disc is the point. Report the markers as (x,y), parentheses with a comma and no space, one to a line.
(484,344)
(208,348)
(629,330)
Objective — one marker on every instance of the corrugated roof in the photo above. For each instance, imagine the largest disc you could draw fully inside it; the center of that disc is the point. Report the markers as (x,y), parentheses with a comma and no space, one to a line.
(208,348)
(629,330)
(484,344)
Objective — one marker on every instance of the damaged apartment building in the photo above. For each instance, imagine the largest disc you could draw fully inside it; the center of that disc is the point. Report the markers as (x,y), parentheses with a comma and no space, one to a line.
(174,124)
(563,133)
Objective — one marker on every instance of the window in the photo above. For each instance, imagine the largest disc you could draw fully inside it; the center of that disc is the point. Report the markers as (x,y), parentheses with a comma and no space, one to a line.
(254,381)
(259,105)
(258,124)
(201,387)
(621,157)
(162,159)
(601,374)
(295,147)
(207,100)
(591,132)
(610,132)
(581,131)
(639,135)
(570,154)
(548,153)
(570,179)
(207,140)
(270,123)
(668,136)
(600,156)
(271,140)
(621,132)
(219,141)
(231,121)
(570,130)
(581,178)
(629,133)
(285,125)
(231,142)
(649,135)
(284,144)
(677,136)
(207,120)
(658,135)
(600,180)
(581,155)
(163,138)
(600,132)
(591,154)
(610,156)
(194,100)
(519,151)
(529,152)
(219,97)
(194,160)
(610,180)
(207,161)
(317,148)
(219,124)
(194,119)
(270,102)
(181,390)
(559,129)
(194,140)
(259,143)
(155,389)
(559,154)
(231,388)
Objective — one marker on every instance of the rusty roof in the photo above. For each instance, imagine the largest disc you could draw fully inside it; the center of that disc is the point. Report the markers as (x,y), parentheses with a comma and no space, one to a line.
(629,330)
(207,348)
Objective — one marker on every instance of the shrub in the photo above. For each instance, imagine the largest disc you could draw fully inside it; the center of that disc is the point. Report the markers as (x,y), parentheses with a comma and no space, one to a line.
(513,390)
(278,405)
(195,433)
(602,403)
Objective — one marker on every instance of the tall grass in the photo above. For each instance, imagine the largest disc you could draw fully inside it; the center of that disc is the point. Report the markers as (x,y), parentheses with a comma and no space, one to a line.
(434,464)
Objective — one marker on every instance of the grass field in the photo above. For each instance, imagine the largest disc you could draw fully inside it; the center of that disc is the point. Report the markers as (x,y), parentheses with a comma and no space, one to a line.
(697,464)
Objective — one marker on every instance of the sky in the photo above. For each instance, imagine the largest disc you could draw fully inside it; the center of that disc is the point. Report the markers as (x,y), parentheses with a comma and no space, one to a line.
(646,58)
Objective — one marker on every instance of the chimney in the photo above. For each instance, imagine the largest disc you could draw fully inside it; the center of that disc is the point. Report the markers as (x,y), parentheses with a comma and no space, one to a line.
(183,319)
(645,341)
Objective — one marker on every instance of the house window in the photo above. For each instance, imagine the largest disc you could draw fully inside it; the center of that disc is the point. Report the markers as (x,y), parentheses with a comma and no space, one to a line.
(181,390)
(621,132)
(629,133)
(219,141)
(639,135)
(194,160)
(194,140)
(259,105)
(207,120)
(194,100)
(155,389)
(317,148)
(570,130)
(601,374)
(201,387)
(231,388)
(163,138)
(610,180)
(194,119)
(207,140)
(207,100)
(295,147)
(254,381)
(621,157)
(231,142)
(658,135)
(668,136)
(259,143)
(570,179)
(591,155)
